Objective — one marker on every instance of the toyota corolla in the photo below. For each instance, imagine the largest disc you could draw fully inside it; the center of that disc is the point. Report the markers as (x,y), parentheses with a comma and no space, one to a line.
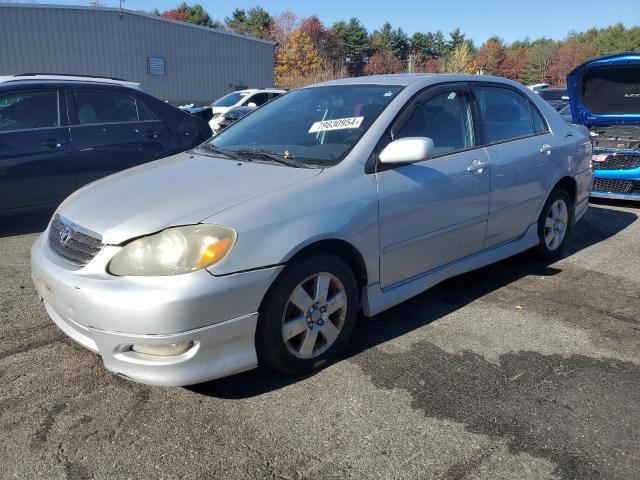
(264,244)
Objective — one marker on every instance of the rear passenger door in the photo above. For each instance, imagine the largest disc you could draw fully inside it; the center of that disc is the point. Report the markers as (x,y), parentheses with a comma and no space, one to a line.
(112,130)
(35,155)
(521,153)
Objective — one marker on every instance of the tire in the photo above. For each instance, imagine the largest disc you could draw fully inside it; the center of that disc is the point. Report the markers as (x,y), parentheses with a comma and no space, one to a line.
(555,226)
(281,315)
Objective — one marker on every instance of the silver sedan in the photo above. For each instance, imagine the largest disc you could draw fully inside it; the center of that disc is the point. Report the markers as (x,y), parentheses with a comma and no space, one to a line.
(264,244)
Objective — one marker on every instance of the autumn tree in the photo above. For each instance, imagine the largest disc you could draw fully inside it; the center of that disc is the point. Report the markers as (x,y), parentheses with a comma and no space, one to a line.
(490,56)
(382,62)
(255,23)
(283,25)
(541,55)
(297,57)
(571,53)
(461,60)
(515,60)
(325,41)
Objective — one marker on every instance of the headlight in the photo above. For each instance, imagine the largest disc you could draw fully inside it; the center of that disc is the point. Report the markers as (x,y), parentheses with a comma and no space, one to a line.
(174,251)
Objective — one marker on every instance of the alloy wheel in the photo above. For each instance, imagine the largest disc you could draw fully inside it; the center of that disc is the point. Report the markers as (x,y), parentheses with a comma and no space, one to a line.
(556,223)
(314,315)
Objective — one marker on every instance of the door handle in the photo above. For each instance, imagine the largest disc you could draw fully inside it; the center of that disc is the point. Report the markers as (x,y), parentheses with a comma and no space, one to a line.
(151,134)
(547,149)
(477,166)
(52,143)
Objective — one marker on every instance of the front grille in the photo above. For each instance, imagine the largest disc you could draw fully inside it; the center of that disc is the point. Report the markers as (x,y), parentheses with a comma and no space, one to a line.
(75,246)
(613,186)
(618,162)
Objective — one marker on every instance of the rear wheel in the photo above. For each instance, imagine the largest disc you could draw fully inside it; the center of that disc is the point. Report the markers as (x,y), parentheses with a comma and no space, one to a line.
(308,315)
(555,224)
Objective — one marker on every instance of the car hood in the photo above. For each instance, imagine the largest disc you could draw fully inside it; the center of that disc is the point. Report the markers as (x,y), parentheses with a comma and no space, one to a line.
(179,190)
(606,90)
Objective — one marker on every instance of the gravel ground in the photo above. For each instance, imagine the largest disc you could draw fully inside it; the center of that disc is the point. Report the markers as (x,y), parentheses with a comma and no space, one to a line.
(519,370)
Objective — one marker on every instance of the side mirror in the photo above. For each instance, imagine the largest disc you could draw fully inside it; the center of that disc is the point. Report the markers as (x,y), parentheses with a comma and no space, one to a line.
(251,104)
(407,150)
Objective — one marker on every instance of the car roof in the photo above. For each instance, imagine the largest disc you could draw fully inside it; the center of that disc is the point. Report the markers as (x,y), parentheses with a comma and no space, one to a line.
(406,79)
(255,90)
(63,78)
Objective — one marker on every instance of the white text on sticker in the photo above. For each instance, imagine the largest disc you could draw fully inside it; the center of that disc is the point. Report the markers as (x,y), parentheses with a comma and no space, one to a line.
(336,124)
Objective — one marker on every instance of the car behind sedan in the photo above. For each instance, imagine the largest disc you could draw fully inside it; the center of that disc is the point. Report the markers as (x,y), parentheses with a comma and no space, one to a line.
(263,244)
(605,97)
(58,133)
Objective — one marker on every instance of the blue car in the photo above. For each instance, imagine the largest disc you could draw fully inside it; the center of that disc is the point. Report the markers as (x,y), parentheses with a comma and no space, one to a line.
(604,94)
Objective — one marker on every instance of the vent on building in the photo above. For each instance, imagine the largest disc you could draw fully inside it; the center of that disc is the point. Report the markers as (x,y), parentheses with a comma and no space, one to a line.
(156,65)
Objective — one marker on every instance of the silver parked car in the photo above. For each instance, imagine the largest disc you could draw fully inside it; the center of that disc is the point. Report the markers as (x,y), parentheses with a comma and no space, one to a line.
(263,244)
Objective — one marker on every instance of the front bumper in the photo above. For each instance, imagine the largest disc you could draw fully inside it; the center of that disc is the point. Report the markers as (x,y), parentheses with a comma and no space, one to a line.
(616,184)
(109,314)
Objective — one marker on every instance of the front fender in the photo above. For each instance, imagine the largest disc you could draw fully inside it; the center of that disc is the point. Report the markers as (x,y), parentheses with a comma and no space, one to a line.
(340,204)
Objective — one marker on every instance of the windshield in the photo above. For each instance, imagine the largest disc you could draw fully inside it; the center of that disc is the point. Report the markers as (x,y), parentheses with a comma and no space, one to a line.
(230,99)
(317,125)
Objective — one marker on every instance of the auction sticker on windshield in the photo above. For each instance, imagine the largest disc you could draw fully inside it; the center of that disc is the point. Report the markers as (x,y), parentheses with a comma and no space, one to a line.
(336,124)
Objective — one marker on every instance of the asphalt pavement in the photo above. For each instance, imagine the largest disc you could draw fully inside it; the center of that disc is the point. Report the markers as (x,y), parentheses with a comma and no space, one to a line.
(521,370)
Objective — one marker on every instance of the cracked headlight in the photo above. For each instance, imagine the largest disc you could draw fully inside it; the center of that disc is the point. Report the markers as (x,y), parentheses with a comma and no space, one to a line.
(174,251)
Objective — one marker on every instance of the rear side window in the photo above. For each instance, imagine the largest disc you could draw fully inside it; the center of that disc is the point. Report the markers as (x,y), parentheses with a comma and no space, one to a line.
(28,110)
(445,118)
(505,114)
(258,99)
(144,113)
(102,106)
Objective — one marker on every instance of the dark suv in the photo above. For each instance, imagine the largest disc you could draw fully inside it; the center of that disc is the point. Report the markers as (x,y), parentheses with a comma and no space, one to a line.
(58,133)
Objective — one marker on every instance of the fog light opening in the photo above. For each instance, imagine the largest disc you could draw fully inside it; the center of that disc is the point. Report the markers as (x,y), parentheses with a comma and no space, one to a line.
(167,350)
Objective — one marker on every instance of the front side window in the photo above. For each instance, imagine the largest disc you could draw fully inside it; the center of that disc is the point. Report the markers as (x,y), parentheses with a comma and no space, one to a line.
(505,114)
(103,106)
(445,118)
(316,125)
(229,100)
(28,110)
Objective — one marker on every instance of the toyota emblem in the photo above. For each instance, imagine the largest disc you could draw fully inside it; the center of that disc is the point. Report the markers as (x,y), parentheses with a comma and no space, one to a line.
(65,235)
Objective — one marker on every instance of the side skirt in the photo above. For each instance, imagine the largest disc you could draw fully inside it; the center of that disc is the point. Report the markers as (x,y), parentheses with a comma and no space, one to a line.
(379,299)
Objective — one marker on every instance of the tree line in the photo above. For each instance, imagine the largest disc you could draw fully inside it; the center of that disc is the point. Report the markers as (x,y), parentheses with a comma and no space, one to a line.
(308,51)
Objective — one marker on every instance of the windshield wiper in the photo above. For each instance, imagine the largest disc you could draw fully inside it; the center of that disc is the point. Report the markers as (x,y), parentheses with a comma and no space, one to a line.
(218,151)
(270,155)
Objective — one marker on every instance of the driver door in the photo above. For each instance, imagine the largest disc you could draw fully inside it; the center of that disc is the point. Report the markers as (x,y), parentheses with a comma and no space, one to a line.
(434,212)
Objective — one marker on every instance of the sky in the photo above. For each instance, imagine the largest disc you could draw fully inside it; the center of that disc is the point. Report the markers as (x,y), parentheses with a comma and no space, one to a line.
(478,19)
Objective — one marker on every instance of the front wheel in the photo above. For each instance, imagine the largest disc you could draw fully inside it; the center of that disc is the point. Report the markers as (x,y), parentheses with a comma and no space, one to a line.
(308,315)
(555,224)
